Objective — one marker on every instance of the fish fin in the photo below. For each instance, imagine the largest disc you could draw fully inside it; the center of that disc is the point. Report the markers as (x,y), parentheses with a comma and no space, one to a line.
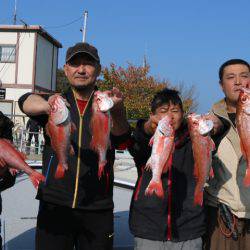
(213,147)
(60,171)
(169,163)
(71,150)
(196,171)
(198,196)
(211,173)
(36,178)
(155,187)
(243,151)
(101,169)
(151,142)
(246,180)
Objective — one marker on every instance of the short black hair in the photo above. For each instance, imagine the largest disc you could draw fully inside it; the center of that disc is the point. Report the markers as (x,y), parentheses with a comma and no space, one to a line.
(232,62)
(166,96)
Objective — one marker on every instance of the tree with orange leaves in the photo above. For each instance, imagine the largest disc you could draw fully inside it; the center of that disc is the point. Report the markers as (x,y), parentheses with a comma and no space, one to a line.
(139,88)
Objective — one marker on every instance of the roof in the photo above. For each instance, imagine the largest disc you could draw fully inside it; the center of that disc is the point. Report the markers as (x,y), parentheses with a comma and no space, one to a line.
(31,28)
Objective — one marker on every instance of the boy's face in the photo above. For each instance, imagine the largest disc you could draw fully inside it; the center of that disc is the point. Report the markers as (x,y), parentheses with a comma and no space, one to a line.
(174,111)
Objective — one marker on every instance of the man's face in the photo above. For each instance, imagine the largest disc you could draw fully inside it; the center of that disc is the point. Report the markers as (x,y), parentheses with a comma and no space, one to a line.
(82,71)
(174,111)
(234,77)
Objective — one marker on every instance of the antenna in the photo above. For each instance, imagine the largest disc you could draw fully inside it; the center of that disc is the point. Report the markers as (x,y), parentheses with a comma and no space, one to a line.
(15,11)
(24,23)
(145,63)
(85,15)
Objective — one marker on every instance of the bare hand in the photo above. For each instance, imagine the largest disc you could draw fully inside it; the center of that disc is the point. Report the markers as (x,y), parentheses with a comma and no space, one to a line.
(151,125)
(13,171)
(218,125)
(51,100)
(117,97)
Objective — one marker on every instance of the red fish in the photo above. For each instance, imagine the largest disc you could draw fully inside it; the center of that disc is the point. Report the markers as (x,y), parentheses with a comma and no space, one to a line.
(243,127)
(59,129)
(100,126)
(161,157)
(202,146)
(14,159)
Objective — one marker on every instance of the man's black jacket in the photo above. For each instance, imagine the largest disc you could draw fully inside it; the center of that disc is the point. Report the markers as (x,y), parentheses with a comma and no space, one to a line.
(149,214)
(80,187)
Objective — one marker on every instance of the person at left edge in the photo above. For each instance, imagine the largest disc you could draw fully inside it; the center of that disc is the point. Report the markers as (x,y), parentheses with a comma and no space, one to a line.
(77,210)
(7,177)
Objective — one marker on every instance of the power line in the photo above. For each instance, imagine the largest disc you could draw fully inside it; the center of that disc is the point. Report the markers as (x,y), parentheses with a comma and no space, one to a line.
(63,25)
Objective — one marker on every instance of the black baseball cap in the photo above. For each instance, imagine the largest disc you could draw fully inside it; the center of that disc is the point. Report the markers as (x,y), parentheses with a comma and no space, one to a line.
(82,48)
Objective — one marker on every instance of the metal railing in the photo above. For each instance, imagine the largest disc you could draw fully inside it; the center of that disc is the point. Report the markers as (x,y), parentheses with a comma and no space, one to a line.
(28,142)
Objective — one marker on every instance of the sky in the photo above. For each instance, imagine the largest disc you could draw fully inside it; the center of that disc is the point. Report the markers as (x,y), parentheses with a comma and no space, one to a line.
(184,41)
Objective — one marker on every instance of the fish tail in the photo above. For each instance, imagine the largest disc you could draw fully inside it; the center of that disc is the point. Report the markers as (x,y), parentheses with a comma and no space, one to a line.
(60,170)
(246,180)
(101,169)
(36,178)
(155,187)
(198,196)
(211,173)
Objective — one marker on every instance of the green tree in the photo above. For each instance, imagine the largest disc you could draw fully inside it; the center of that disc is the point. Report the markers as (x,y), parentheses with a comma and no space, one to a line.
(62,82)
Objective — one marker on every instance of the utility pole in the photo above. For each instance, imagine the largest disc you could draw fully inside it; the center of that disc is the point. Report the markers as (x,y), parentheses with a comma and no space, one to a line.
(15,11)
(85,16)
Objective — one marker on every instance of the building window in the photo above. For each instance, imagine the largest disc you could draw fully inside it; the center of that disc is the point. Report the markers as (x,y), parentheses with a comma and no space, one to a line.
(7,53)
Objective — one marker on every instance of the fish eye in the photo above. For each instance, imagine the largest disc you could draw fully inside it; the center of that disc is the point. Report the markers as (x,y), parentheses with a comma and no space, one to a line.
(244,98)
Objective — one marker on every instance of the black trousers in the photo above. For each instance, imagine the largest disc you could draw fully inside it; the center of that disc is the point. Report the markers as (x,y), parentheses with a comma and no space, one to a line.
(63,228)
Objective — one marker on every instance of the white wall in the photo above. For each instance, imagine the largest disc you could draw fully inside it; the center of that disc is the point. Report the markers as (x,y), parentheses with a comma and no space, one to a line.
(8,37)
(46,60)
(44,63)
(25,58)
(7,73)
(14,94)
(7,70)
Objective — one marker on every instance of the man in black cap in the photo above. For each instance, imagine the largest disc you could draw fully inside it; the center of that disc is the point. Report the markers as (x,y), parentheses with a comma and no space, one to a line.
(77,210)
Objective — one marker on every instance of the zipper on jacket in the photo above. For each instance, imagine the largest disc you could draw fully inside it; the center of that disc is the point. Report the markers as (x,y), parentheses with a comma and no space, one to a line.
(169,221)
(81,116)
(78,162)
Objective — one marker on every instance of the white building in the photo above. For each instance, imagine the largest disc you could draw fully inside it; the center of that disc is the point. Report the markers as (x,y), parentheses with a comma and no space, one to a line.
(28,62)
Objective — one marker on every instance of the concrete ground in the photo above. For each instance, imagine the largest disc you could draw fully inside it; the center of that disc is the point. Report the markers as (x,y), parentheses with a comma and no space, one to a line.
(20,209)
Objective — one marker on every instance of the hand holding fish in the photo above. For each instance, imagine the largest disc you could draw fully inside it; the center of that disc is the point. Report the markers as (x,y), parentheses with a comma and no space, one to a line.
(151,124)
(243,127)
(59,128)
(118,112)
(13,171)
(202,146)
(117,97)
(217,123)
(161,156)
(100,127)
(15,159)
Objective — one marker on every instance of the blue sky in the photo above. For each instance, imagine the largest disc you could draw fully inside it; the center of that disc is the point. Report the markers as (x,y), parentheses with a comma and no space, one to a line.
(185,41)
